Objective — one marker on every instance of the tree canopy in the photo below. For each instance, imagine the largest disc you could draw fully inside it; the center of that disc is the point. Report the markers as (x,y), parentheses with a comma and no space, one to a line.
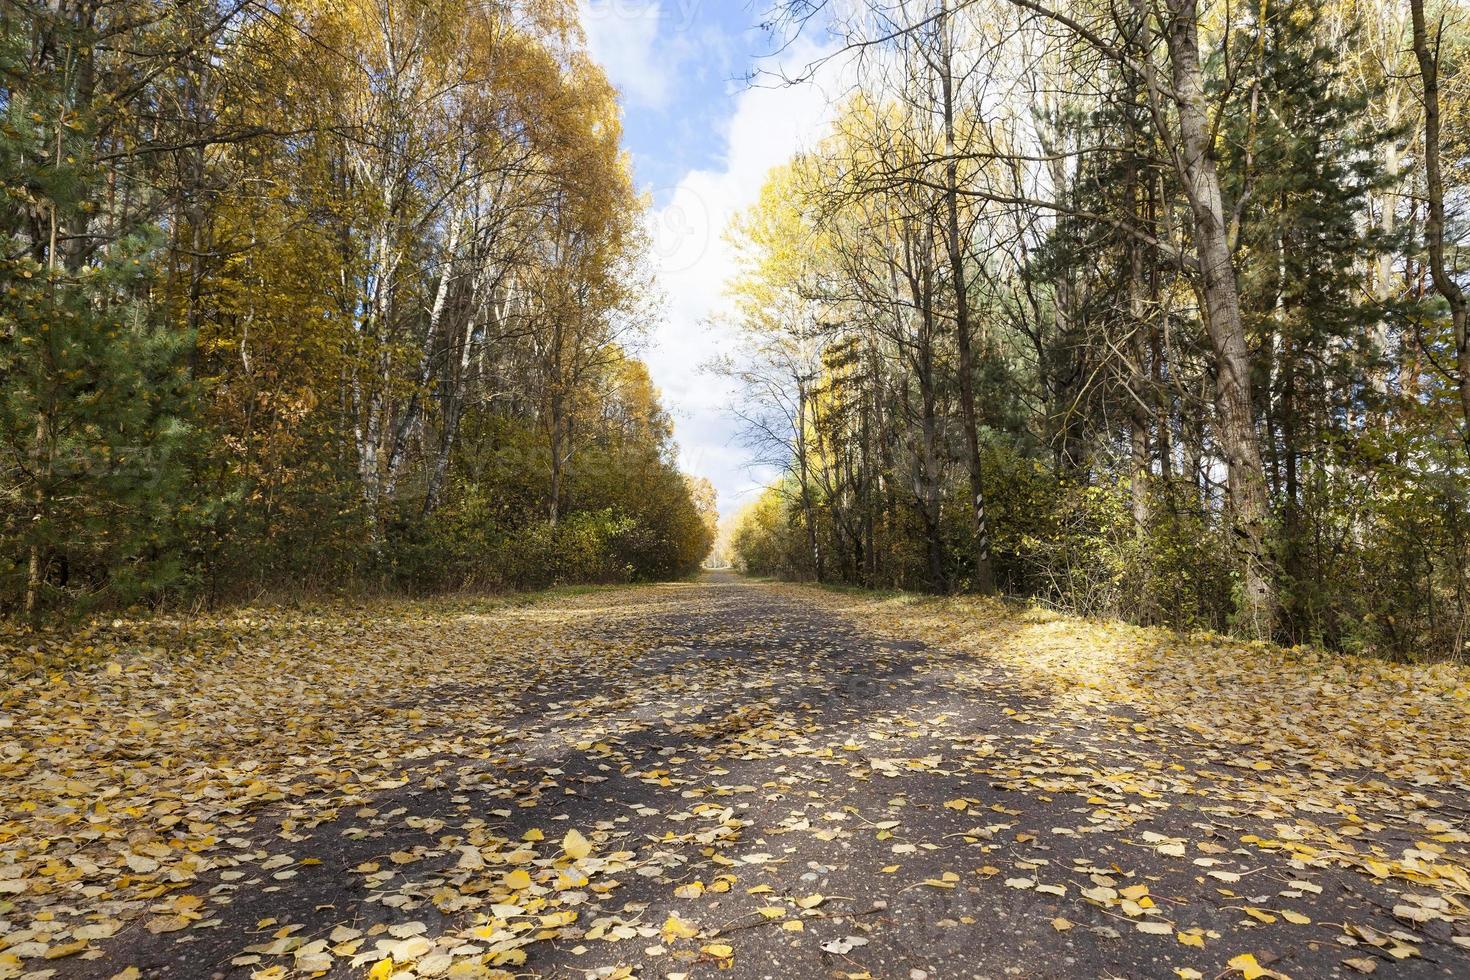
(323,293)
(1142,309)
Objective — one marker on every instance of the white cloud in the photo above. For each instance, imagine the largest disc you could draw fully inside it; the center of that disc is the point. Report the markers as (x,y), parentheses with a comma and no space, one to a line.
(623,37)
(769,125)
(647,47)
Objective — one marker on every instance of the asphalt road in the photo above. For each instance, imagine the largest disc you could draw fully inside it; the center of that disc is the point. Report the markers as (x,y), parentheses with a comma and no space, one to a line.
(803,800)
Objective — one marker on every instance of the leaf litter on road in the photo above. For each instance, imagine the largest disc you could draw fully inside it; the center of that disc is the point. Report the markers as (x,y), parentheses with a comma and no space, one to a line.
(670,780)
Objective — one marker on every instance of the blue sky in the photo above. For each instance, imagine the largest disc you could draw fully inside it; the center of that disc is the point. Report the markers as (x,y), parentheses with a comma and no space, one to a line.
(702,141)
(679,65)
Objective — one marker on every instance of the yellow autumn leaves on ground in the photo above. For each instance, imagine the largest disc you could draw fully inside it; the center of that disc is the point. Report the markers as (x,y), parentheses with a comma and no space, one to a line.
(1321,713)
(1361,741)
(653,782)
(131,760)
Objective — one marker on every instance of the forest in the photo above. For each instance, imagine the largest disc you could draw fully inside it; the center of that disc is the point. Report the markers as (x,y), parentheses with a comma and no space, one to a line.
(321,295)
(1094,376)
(1151,309)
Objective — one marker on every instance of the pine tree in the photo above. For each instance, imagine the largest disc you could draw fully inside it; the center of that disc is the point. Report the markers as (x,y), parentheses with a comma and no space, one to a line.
(91,385)
(1302,163)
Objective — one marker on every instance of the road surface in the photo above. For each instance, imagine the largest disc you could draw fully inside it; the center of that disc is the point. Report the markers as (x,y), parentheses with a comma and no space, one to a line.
(729,779)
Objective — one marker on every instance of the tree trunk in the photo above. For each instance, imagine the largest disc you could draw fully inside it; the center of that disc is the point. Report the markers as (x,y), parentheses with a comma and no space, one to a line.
(41,450)
(428,354)
(1434,222)
(808,506)
(1159,354)
(553,505)
(930,480)
(1138,418)
(983,571)
(36,560)
(1235,421)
